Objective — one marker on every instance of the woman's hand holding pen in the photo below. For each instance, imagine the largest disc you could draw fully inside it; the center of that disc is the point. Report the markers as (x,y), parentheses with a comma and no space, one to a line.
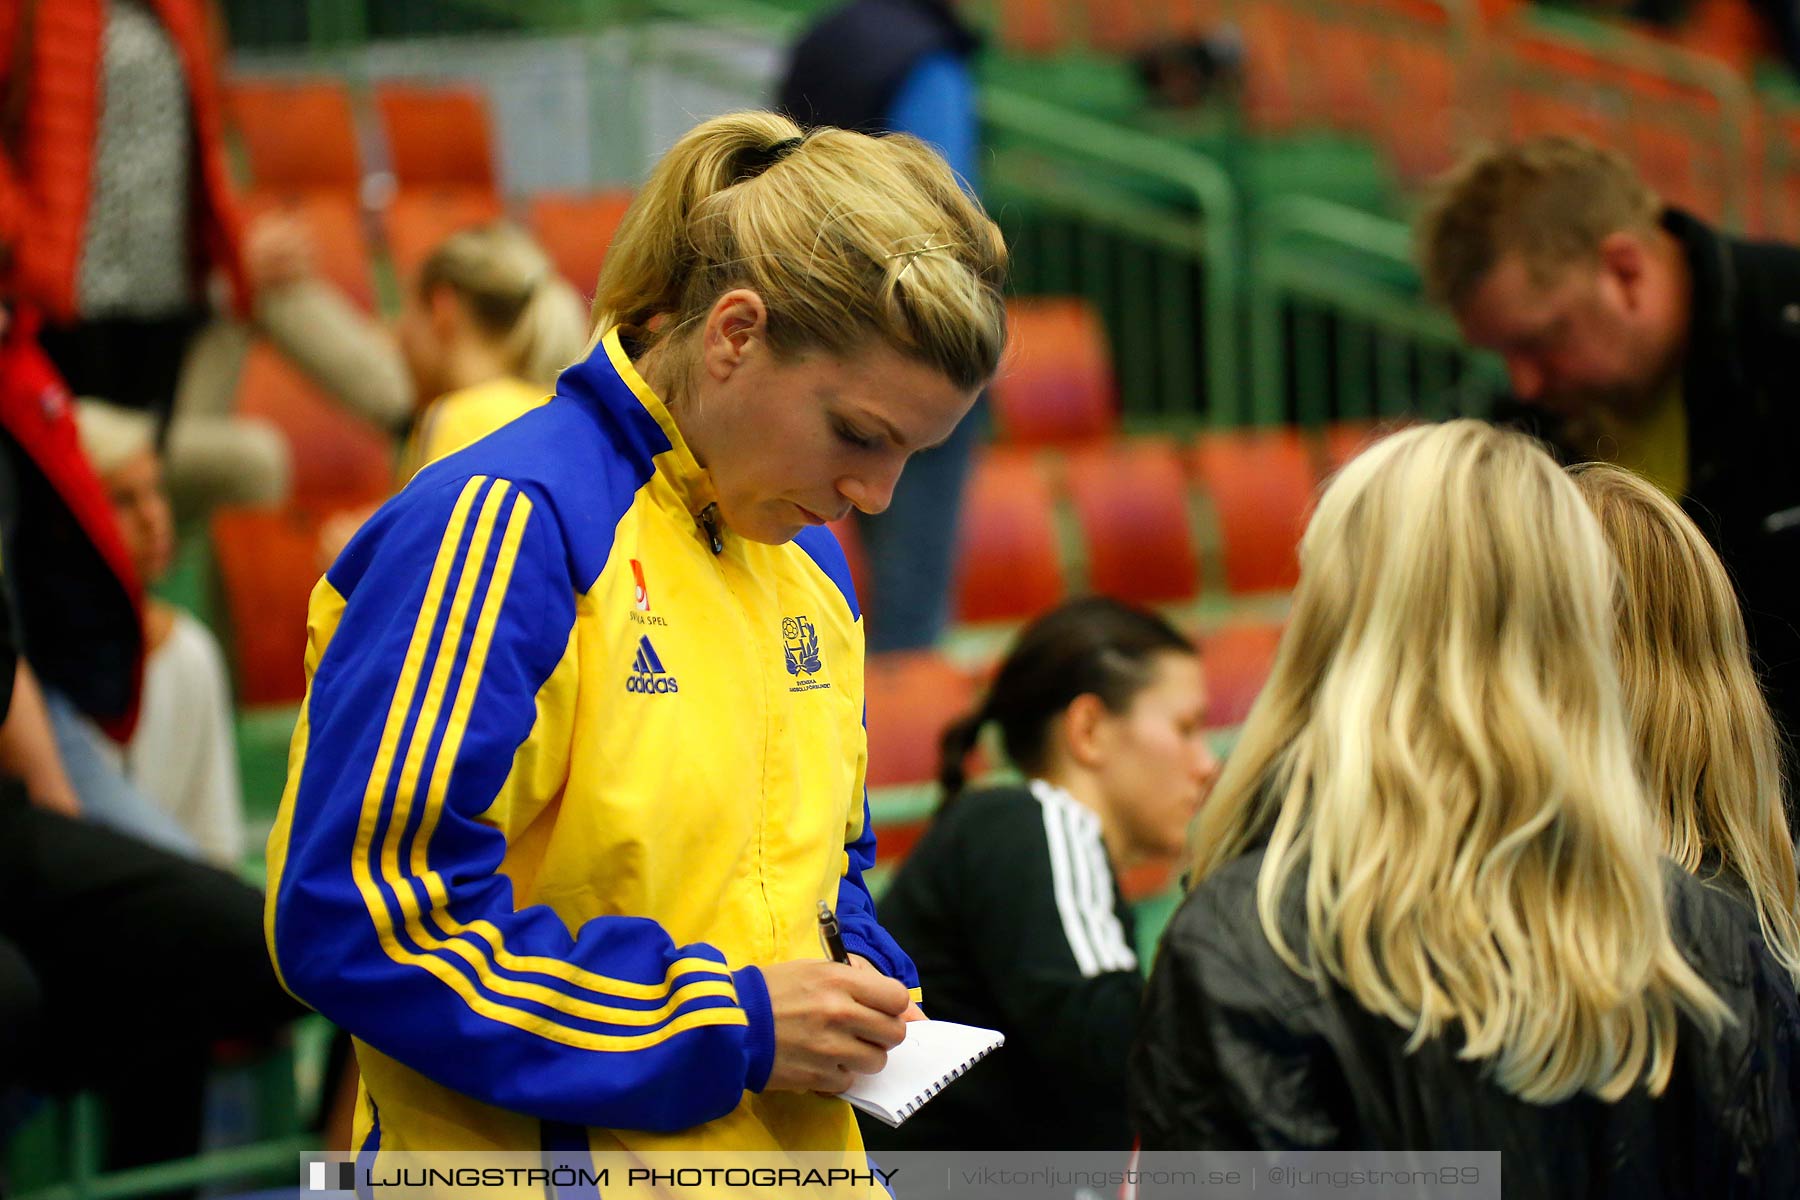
(833,1021)
(913,1011)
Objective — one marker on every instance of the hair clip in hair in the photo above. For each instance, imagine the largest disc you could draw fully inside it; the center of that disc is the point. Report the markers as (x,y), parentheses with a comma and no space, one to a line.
(912,256)
(909,255)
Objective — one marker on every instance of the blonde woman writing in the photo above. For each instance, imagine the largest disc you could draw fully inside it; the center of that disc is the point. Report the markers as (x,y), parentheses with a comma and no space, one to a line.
(1707,741)
(582,748)
(1428,910)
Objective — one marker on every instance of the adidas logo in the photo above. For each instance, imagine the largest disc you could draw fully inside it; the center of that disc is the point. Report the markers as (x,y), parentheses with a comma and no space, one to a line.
(647,672)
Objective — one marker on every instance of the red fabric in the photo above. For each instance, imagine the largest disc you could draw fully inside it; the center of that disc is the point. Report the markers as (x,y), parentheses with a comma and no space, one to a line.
(44,178)
(37,411)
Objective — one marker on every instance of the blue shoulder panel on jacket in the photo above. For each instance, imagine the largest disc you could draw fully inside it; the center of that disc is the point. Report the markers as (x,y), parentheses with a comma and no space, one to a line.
(588,452)
(821,545)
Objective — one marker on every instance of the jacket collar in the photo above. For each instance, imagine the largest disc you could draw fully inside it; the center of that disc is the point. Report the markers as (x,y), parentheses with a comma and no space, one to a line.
(1047,793)
(608,379)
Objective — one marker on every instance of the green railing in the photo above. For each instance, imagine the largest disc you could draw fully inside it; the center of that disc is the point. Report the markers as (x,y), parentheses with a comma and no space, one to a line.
(1338,330)
(58,1154)
(1224,305)
(1778,200)
(1147,232)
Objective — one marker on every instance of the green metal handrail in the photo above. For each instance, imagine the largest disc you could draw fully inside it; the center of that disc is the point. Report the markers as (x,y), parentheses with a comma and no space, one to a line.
(1213,230)
(1205,226)
(1155,233)
(1301,250)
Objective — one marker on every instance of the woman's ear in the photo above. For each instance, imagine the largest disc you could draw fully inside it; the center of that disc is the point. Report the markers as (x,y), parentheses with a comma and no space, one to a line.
(1084,730)
(737,325)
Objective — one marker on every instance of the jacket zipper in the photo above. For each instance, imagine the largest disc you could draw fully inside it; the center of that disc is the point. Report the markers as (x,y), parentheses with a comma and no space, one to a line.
(708,521)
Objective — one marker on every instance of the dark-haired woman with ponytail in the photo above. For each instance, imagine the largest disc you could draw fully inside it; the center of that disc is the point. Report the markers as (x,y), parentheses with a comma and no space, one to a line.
(1009,905)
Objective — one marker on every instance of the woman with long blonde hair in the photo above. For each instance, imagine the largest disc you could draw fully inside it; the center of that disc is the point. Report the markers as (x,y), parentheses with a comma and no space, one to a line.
(1709,747)
(1427,909)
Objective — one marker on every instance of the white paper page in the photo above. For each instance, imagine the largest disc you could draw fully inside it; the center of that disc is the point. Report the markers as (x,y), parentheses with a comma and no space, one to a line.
(933,1054)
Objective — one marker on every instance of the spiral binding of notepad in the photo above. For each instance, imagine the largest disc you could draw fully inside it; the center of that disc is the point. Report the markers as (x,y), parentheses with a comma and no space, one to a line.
(941,1084)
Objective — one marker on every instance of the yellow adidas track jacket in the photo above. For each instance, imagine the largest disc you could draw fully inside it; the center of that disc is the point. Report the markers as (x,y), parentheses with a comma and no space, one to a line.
(564,775)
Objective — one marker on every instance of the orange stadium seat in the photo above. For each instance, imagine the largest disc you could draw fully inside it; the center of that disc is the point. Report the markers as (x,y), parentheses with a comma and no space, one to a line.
(337,458)
(1729,30)
(339,240)
(1131,502)
(1118,26)
(1007,560)
(1425,90)
(1778,152)
(1683,118)
(268,563)
(1261,485)
(1237,658)
(1393,70)
(1056,384)
(912,696)
(1344,440)
(419,219)
(1031,26)
(1196,18)
(1149,878)
(297,134)
(1271,90)
(437,136)
(575,230)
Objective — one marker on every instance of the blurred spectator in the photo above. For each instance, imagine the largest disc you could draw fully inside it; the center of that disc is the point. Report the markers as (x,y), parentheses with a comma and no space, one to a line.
(1188,72)
(1428,910)
(117,221)
(115,203)
(1636,334)
(120,965)
(1009,905)
(215,456)
(901,66)
(485,332)
(88,657)
(67,546)
(183,755)
(1707,743)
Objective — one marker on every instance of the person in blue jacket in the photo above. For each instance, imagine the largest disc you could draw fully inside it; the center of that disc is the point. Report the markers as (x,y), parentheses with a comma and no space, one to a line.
(902,66)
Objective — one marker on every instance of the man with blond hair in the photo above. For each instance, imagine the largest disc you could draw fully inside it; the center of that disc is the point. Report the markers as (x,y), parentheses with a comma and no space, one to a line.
(1633,332)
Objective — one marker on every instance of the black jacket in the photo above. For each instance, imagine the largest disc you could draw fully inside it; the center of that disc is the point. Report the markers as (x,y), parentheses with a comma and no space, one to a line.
(846,69)
(1009,910)
(1238,1052)
(1741,390)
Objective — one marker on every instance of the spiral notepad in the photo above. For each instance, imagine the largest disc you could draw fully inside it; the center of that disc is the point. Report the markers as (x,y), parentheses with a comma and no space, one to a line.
(933,1054)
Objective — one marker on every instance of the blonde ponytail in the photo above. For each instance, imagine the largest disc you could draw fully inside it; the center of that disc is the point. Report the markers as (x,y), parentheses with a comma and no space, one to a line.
(514,294)
(846,238)
(549,332)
